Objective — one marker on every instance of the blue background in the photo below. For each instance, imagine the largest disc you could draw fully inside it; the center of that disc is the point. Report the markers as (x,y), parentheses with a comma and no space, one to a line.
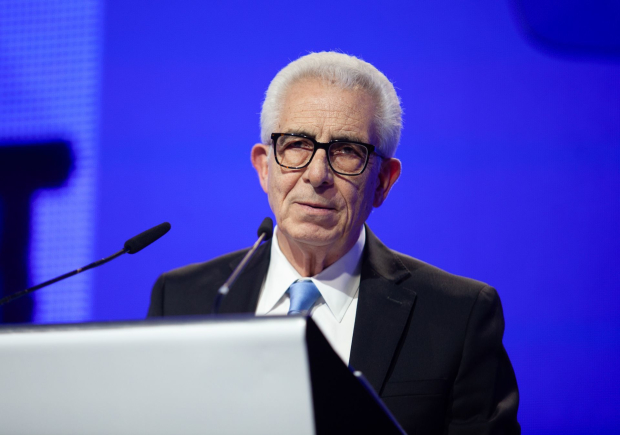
(511,166)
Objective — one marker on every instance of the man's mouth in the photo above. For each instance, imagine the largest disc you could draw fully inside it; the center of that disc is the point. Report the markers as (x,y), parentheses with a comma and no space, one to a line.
(317,206)
(313,207)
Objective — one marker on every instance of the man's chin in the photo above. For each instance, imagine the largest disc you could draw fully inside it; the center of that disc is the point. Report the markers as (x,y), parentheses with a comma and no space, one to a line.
(311,234)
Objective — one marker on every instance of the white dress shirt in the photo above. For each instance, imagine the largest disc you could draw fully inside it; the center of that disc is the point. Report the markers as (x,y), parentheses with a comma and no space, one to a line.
(334,312)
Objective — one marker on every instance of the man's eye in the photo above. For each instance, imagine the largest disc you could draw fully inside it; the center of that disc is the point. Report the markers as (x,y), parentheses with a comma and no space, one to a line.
(298,144)
(347,150)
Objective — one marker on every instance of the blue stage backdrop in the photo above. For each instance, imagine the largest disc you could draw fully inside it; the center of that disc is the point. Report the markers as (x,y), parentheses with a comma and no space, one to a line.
(510,151)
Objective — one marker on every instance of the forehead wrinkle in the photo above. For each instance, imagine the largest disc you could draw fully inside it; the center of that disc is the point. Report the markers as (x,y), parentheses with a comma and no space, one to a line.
(315,120)
(337,109)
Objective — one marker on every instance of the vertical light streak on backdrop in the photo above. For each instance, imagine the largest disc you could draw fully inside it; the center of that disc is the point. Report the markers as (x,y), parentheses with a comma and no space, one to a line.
(50,53)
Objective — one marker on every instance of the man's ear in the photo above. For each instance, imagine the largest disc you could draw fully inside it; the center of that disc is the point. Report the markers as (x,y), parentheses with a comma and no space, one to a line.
(260,161)
(388,174)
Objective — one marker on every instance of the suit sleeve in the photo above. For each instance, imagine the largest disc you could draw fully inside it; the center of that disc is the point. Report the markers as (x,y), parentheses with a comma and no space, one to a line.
(485,396)
(156,308)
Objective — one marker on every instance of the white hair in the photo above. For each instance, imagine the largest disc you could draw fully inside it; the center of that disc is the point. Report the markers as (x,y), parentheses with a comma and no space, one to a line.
(347,72)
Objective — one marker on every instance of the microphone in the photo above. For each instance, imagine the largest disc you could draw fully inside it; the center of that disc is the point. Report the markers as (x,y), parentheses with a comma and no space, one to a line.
(266,227)
(142,240)
(265,232)
(133,245)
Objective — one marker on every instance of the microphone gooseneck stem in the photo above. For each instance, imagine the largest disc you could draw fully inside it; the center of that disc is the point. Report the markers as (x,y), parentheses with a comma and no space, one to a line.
(223,290)
(61,277)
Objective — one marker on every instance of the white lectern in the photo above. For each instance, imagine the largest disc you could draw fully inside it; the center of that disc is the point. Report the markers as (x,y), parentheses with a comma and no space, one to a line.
(215,375)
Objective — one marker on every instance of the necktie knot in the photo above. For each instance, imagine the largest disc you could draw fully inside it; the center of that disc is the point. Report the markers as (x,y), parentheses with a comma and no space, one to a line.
(303,295)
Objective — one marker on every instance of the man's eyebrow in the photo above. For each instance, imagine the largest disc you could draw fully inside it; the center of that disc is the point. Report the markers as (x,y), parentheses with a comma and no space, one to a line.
(338,138)
(348,139)
(300,131)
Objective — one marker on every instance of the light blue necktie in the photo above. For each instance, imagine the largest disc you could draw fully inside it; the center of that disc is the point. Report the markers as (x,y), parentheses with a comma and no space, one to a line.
(303,295)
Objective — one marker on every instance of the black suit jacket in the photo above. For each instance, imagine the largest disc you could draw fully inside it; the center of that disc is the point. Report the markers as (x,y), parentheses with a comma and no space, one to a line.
(430,343)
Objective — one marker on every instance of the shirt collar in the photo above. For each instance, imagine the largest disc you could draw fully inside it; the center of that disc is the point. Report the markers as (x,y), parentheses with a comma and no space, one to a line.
(338,284)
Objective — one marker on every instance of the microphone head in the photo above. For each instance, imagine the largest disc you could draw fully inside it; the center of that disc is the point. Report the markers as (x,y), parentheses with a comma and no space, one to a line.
(266,227)
(142,240)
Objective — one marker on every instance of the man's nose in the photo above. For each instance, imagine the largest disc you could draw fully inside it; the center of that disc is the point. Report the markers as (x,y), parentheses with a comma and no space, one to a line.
(318,171)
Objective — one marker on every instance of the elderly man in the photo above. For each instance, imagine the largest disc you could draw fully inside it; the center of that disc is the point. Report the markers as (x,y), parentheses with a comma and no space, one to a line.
(429,342)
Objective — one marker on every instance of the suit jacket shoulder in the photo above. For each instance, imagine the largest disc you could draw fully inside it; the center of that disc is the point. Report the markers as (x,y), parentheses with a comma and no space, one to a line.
(191,290)
(438,279)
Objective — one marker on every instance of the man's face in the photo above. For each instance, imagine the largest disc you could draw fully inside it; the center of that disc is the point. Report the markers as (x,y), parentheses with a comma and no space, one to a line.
(313,206)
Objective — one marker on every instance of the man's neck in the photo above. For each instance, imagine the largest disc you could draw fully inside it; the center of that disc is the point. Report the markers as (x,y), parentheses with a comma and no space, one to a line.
(310,260)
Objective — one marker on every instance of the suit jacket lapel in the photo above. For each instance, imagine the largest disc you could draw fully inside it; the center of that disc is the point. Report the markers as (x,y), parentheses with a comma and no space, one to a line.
(384,309)
(244,293)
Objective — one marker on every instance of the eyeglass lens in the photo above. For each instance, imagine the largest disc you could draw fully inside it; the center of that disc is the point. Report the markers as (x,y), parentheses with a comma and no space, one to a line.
(345,157)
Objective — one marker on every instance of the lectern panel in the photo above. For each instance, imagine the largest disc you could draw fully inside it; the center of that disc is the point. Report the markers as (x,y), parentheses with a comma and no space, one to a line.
(223,377)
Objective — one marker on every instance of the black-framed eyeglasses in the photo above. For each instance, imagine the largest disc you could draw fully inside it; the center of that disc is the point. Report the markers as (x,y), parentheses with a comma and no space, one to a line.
(295,151)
